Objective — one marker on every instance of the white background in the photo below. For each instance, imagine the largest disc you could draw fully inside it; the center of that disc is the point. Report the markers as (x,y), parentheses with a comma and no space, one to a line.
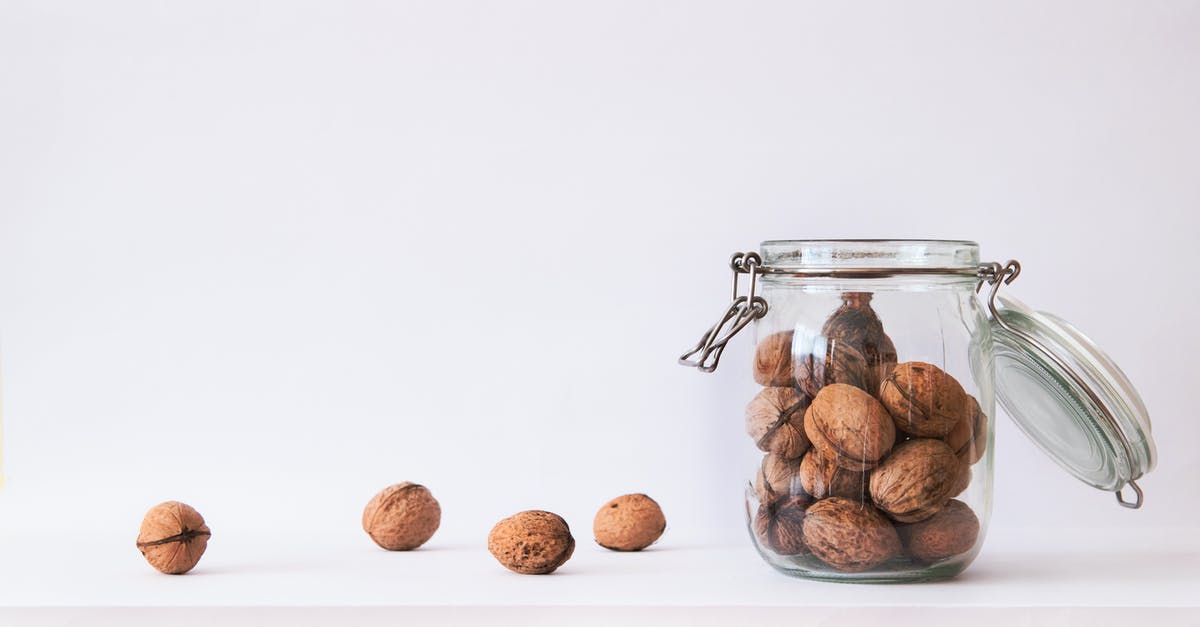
(269,257)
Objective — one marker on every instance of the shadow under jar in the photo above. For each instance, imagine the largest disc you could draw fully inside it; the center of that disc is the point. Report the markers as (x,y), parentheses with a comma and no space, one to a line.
(878,368)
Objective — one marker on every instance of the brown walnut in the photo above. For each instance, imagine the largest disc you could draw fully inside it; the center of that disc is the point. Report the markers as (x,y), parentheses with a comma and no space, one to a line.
(950,532)
(916,480)
(629,523)
(849,427)
(779,525)
(849,535)
(963,481)
(857,351)
(840,363)
(173,537)
(402,517)
(821,478)
(777,477)
(968,438)
(775,419)
(924,400)
(533,542)
(856,324)
(773,360)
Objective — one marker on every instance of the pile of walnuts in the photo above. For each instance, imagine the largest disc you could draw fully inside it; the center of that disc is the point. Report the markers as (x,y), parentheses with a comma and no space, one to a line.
(864,455)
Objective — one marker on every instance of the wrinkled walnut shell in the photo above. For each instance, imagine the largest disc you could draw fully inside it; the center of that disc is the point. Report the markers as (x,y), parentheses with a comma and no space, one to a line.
(849,427)
(779,525)
(773,360)
(856,325)
(916,480)
(777,477)
(402,517)
(849,535)
(840,363)
(532,542)
(629,523)
(775,420)
(822,478)
(924,400)
(173,536)
(952,531)
(968,438)
(963,481)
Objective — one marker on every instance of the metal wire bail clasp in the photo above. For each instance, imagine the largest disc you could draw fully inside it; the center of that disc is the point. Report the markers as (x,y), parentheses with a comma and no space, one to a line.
(707,352)
(996,274)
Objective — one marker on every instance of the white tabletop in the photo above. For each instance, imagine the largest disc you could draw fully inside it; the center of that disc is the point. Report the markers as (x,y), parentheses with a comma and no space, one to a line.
(1044,572)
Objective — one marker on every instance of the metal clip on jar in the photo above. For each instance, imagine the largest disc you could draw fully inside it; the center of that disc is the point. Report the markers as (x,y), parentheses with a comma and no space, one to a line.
(879,369)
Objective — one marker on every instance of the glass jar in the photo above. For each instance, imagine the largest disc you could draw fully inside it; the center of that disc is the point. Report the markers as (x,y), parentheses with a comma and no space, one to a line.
(879,370)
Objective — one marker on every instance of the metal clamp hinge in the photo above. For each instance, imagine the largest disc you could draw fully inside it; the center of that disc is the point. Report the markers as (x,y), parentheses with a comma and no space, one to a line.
(707,352)
(997,274)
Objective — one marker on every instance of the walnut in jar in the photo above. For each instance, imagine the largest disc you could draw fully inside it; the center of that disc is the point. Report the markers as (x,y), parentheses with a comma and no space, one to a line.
(924,400)
(821,478)
(856,350)
(775,420)
(773,360)
(952,531)
(849,427)
(968,437)
(779,524)
(850,536)
(777,477)
(916,480)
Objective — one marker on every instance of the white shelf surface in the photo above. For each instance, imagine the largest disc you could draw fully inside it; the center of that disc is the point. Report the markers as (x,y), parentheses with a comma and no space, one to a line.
(1035,570)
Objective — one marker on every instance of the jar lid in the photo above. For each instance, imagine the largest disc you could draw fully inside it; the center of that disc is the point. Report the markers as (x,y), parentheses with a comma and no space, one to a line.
(1067,395)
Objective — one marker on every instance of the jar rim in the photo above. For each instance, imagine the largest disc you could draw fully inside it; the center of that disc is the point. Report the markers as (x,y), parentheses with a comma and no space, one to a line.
(896,256)
(870,240)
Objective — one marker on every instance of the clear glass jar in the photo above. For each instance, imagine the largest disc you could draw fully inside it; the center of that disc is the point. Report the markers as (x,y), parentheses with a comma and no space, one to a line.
(874,419)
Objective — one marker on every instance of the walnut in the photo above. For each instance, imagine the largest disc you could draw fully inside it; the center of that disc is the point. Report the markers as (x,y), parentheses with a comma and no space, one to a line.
(924,400)
(777,477)
(773,360)
(950,532)
(856,324)
(629,523)
(963,481)
(402,517)
(173,537)
(531,542)
(857,351)
(779,525)
(968,438)
(849,535)
(841,363)
(821,478)
(775,419)
(916,480)
(849,427)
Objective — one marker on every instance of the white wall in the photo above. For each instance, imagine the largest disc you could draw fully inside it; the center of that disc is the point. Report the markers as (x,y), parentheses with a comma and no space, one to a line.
(269,257)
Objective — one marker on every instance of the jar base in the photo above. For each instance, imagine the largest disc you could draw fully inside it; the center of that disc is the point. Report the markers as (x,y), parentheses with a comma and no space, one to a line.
(900,570)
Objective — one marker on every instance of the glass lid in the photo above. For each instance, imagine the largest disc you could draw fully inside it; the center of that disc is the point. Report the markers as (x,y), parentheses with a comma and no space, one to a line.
(1067,395)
